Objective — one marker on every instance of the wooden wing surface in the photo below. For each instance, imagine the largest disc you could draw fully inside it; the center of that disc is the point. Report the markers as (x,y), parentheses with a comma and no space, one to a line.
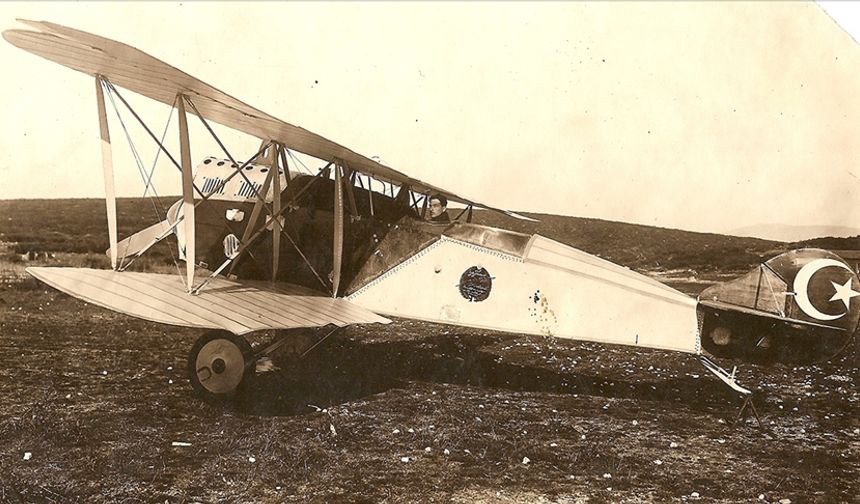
(236,306)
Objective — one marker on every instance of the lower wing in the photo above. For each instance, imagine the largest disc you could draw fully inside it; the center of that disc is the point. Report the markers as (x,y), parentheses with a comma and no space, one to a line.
(236,306)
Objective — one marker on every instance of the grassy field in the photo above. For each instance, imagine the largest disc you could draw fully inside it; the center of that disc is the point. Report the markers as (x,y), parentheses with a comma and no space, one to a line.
(97,407)
(76,225)
(410,412)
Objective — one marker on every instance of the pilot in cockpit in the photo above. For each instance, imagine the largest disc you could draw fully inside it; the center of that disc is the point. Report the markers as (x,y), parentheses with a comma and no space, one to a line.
(438,209)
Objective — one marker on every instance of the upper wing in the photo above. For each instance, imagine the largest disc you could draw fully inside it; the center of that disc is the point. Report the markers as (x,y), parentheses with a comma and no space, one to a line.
(235,306)
(137,71)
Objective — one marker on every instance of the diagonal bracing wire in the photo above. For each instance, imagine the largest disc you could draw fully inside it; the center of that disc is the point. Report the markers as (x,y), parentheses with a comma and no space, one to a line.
(139,162)
(172,159)
(297,160)
(151,134)
(245,247)
(240,171)
(147,177)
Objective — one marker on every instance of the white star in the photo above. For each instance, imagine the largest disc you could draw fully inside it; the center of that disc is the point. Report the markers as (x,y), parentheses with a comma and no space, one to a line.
(844,293)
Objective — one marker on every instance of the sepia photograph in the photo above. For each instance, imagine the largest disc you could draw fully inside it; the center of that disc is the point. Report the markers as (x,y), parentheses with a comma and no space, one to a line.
(468,252)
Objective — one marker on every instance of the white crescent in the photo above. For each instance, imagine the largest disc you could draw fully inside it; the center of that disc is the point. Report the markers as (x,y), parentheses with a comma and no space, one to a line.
(801,287)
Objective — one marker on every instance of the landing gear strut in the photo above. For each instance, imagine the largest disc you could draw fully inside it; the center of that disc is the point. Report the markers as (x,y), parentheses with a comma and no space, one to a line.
(219,362)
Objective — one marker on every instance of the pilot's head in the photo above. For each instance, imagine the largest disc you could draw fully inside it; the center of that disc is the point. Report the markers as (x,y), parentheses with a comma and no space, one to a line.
(438,205)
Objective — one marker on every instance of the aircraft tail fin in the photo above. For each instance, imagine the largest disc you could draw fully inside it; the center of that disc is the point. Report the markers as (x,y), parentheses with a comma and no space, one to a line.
(797,307)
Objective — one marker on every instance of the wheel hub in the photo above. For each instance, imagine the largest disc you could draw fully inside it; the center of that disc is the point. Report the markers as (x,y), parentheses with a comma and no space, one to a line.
(220,366)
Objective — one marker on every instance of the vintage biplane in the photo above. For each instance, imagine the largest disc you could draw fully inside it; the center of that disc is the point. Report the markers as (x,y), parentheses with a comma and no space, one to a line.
(267,247)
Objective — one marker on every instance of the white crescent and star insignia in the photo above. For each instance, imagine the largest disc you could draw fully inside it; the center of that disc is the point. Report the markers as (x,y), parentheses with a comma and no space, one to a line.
(843,292)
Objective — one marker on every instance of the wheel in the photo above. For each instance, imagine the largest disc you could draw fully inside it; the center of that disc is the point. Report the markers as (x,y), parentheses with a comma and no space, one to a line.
(219,362)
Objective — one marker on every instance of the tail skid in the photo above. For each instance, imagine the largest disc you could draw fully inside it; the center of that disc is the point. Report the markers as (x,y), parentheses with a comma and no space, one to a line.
(725,376)
(729,379)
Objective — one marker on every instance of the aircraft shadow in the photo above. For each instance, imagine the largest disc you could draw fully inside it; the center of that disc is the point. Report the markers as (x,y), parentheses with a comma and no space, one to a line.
(347,369)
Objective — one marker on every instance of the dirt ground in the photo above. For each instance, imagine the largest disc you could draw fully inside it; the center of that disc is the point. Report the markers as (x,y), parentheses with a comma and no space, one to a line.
(97,407)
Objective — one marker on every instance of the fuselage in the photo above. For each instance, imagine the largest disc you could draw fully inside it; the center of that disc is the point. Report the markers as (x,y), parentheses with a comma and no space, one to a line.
(397,264)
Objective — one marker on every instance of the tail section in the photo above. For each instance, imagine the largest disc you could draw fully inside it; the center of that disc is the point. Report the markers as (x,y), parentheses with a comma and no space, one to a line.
(801,306)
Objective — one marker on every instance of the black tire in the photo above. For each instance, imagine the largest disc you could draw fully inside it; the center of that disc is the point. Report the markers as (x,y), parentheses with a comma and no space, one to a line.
(219,363)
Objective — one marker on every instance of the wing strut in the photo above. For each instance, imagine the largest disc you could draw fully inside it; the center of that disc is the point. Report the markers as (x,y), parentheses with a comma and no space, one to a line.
(258,207)
(370,195)
(349,183)
(245,245)
(264,145)
(468,208)
(107,167)
(271,159)
(283,153)
(115,91)
(187,194)
(275,172)
(337,256)
(168,228)
(151,238)
(424,206)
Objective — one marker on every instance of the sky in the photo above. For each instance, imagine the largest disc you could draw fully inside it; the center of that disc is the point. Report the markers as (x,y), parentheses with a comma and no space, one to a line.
(699,116)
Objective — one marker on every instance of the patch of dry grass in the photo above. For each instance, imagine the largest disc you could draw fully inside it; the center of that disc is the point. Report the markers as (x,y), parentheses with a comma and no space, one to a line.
(88,393)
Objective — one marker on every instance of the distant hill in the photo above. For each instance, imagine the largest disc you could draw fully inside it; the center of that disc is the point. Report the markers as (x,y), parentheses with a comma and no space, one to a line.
(644,247)
(790,233)
(654,248)
(79,225)
(830,243)
(75,225)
